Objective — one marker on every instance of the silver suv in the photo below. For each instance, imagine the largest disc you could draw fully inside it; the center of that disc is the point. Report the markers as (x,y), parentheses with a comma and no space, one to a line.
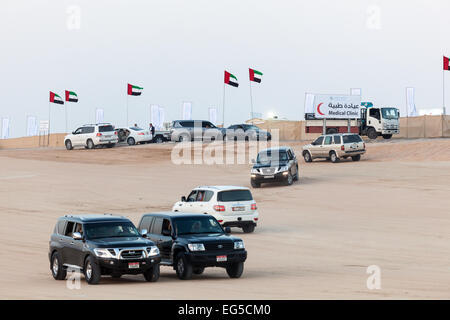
(92,135)
(335,147)
(189,130)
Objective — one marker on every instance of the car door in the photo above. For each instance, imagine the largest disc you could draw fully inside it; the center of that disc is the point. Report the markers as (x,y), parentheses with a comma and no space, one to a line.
(76,139)
(65,240)
(165,240)
(316,147)
(327,146)
(189,204)
(75,248)
(292,162)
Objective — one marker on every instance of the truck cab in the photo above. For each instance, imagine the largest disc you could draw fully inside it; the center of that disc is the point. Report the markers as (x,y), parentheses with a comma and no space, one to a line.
(376,121)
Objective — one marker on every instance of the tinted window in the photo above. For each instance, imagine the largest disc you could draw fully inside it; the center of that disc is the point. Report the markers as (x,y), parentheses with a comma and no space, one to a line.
(232,127)
(207,124)
(69,228)
(167,226)
(60,226)
(145,223)
(375,113)
(337,139)
(318,141)
(157,226)
(208,195)
(110,230)
(87,130)
(269,156)
(192,225)
(105,128)
(328,140)
(187,124)
(234,195)
(351,138)
(78,228)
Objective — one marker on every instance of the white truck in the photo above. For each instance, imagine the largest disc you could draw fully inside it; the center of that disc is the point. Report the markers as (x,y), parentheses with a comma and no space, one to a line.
(374,122)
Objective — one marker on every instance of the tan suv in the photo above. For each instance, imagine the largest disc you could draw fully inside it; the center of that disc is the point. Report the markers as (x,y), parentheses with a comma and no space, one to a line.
(335,147)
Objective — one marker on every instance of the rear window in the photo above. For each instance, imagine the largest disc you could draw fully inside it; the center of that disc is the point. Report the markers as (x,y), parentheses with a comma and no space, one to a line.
(234,195)
(105,128)
(351,138)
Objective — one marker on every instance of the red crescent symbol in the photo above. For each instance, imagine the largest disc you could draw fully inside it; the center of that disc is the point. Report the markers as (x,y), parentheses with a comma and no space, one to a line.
(318,109)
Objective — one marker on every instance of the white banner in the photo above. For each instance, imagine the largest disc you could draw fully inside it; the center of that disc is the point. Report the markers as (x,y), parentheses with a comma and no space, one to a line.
(410,104)
(162,118)
(99,116)
(355,91)
(43,125)
(309,103)
(213,115)
(155,116)
(32,127)
(337,106)
(5,128)
(187,111)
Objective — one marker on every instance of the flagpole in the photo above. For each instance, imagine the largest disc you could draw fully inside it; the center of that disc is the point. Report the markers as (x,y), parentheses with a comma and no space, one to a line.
(251,102)
(443,92)
(127,110)
(48,134)
(223,107)
(65,114)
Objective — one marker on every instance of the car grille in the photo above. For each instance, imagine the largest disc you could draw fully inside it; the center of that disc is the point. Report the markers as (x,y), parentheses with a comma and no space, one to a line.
(267,170)
(132,254)
(390,126)
(219,246)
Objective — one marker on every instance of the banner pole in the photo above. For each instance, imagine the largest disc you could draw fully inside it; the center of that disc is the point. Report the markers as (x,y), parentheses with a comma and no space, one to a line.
(223,107)
(65,114)
(251,102)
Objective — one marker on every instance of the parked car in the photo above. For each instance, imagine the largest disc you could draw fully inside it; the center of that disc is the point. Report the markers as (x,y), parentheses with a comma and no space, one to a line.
(91,136)
(232,206)
(274,165)
(190,242)
(246,132)
(161,136)
(134,135)
(335,147)
(101,245)
(199,130)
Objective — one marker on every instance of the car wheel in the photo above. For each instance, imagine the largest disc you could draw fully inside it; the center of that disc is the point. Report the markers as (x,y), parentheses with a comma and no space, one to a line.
(58,271)
(183,267)
(387,136)
(372,134)
(235,270)
(333,157)
(296,175)
(90,144)
(199,270)
(159,139)
(92,271)
(289,179)
(248,228)
(69,145)
(356,158)
(131,141)
(152,274)
(255,184)
(307,156)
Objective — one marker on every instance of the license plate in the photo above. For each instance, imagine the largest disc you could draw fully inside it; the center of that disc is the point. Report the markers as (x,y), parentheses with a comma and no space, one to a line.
(269,177)
(221,258)
(133,265)
(238,208)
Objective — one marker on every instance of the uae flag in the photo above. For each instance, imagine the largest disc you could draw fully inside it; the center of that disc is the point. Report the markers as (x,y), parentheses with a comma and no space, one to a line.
(54,98)
(231,79)
(134,90)
(446,63)
(255,75)
(71,96)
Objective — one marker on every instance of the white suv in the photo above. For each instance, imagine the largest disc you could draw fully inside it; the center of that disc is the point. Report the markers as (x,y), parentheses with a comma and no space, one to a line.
(92,135)
(231,206)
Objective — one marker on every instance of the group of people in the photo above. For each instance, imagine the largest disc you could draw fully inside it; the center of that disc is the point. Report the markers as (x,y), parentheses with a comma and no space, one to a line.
(151,128)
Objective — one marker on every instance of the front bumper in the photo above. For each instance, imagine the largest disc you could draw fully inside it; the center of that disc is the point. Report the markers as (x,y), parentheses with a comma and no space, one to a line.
(209,259)
(390,131)
(121,266)
(277,177)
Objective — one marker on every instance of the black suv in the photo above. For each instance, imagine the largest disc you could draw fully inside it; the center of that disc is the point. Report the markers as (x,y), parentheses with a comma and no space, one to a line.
(274,164)
(101,244)
(189,242)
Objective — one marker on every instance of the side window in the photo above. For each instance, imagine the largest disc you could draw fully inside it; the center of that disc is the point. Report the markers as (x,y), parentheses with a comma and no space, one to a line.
(69,229)
(60,226)
(192,196)
(375,113)
(207,124)
(87,130)
(78,228)
(177,124)
(78,131)
(200,195)
(328,140)
(166,225)
(145,223)
(208,196)
(157,226)
(318,141)
(232,127)
(337,139)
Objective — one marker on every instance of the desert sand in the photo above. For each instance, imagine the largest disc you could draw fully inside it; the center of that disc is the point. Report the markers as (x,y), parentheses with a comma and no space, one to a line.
(315,238)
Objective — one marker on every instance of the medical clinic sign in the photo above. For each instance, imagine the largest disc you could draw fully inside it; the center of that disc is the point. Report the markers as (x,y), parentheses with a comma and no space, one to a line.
(337,106)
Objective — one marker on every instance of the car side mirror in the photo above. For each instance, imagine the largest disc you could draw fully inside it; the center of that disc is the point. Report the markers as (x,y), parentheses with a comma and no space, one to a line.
(77,236)
(183,198)
(166,233)
(144,233)
(73,132)
(228,230)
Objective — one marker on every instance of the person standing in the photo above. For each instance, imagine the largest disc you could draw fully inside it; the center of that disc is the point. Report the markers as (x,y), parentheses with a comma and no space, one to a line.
(152,129)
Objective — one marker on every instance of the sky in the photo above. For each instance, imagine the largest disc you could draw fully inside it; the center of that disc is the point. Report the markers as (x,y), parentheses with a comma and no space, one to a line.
(177,50)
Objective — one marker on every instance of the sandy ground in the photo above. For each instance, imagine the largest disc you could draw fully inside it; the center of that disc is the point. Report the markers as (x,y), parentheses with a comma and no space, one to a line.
(315,238)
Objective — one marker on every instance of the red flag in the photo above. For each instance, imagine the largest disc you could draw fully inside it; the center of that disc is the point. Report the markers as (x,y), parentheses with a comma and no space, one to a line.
(446,63)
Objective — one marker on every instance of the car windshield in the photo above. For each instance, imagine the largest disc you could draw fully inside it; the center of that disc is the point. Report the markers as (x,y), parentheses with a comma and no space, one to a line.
(194,225)
(389,113)
(351,138)
(136,128)
(105,128)
(251,127)
(234,195)
(266,157)
(110,230)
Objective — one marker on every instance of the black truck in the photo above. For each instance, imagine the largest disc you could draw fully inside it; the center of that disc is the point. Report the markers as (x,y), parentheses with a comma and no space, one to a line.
(101,245)
(190,242)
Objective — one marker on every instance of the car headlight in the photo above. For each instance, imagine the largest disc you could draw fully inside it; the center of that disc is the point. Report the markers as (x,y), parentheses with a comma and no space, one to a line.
(152,251)
(239,245)
(196,247)
(103,253)
(254,171)
(284,168)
